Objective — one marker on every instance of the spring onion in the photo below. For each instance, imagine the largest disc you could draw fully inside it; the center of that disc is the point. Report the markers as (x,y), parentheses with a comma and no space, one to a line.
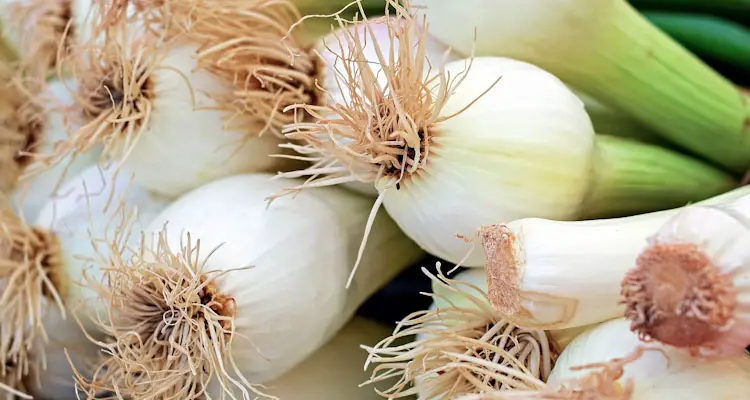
(44,262)
(545,274)
(483,140)
(182,93)
(455,341)
(609,50)
(689,285)
(247,290)
(610,363)
(35,189)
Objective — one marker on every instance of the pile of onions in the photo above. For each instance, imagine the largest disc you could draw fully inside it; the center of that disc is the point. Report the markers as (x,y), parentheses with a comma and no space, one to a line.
(227,297)
(191,197)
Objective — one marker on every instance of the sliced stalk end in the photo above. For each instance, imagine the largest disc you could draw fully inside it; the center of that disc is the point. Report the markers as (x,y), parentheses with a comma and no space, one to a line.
(170,327)
(502,268)
(459,349)
(632,177)
(32,281)
(677,296)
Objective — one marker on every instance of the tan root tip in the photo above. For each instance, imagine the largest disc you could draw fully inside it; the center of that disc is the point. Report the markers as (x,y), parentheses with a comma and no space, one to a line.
(385,129)
(113,96)
(23,126)
(170,328)
(677,296)
(502,268)
(462,349)
(30,280)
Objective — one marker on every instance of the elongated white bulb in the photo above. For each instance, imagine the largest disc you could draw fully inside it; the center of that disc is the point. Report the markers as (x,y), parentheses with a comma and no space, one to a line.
(301,250)
(662,374)
(553,275)
(179,151)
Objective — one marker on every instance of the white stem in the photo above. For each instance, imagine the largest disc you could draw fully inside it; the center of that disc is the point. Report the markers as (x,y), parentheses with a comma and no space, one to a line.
(555,275)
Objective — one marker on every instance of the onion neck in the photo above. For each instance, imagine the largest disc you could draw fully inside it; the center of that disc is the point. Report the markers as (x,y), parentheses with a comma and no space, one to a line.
(631,177)
(667,88)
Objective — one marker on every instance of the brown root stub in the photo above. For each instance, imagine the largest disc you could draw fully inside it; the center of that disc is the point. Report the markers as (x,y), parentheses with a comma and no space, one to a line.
(171,328)
(465,348)
(677,296)
(29,284)
(386,128)
(501,266)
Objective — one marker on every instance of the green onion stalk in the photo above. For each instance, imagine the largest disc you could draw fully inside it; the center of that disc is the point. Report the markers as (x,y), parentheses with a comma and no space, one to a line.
(609,50)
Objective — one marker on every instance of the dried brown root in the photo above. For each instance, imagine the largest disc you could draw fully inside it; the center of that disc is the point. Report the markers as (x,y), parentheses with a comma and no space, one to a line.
(171,329)
(29,284)
(465,347)
(113,98)
(501,266)
(21,124)
(677,296)
(245,44)
(44,28)
(601,383)
(12,386)
(385,130)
